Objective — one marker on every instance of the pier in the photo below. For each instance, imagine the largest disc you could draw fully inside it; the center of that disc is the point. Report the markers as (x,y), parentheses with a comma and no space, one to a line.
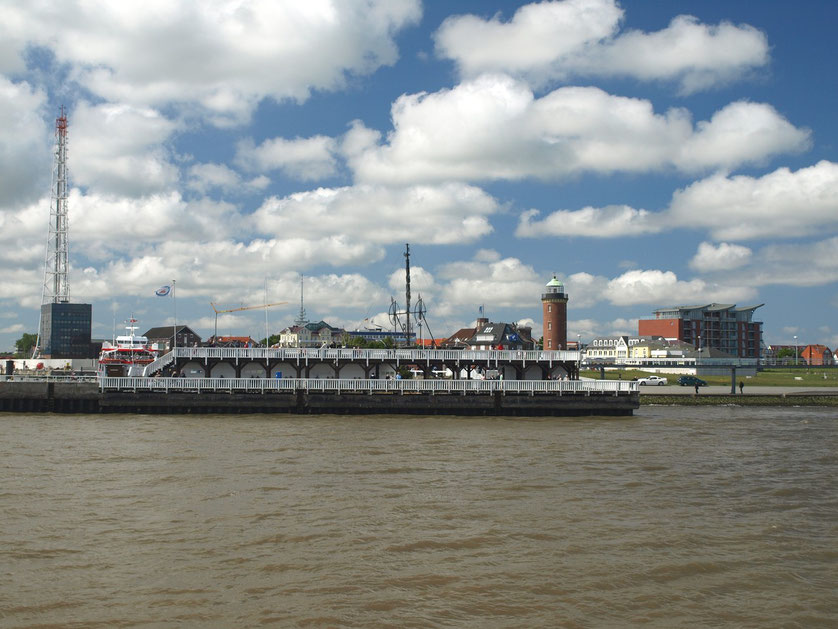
(162,395)
(363,364)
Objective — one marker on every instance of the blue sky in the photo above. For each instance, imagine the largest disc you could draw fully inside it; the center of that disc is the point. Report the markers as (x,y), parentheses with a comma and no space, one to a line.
(649,153)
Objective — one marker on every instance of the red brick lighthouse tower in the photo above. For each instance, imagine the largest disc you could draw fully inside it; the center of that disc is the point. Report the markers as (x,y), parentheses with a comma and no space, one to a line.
(554,306)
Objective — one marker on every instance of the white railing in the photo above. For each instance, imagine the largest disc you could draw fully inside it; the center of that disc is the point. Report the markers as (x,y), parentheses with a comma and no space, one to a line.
(402,355)
(397,356)
(335,385)
(159,363)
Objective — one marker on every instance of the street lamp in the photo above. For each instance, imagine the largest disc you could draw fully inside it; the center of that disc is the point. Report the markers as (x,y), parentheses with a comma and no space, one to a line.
(795,350)
(578,354)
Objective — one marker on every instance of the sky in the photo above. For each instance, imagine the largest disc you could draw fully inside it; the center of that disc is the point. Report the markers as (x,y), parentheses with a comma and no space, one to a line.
(649,154)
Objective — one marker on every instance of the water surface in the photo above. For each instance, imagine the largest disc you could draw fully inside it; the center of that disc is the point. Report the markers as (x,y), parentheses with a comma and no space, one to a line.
(677,517)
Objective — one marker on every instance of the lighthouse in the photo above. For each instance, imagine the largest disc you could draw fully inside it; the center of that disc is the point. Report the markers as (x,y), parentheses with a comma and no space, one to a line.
(554,308)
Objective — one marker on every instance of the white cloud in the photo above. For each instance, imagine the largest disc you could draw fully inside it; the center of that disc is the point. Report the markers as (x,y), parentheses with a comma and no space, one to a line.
(721,257)
(304,158)
(213,53)
(584,289)
(494,128)
(206,177)
(505,282)
(120,149)
(664,287)
(533,43)
(421,281)
(226,270)
(549,41)
(781,204)
(741,133)
(110,226)
(799,264)
(24,150)
(607,222)
(445,214)
(13,329)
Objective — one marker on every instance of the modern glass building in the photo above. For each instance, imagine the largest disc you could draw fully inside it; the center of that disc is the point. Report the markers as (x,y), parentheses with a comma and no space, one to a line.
(65,330)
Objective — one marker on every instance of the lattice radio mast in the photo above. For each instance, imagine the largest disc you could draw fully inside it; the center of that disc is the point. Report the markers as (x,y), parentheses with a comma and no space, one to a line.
(56,265)
(56,287)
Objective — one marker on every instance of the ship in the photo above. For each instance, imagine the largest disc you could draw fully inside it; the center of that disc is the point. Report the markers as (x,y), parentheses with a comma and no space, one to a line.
(127,355)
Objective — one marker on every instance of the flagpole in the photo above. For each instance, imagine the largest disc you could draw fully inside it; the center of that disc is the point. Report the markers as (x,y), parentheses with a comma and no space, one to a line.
(174,299)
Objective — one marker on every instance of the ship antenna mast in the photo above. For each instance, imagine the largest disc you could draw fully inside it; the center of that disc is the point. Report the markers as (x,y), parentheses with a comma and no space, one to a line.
(301,318)
(407,291)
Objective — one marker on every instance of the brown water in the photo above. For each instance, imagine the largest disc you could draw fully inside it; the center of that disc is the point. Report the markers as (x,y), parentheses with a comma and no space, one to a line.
(678,517)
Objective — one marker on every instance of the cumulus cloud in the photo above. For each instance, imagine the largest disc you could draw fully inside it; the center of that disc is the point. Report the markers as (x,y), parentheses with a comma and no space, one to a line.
(799,264)
(493,127)
(502,283)
(108,226)
(120,149)
(664,287)
(445,214)
(533,43)
(204,269)
(24,146)
(781,204)
(721,257)
(306,159)
(206,177)
(607,222)
(213,53)
(551,41)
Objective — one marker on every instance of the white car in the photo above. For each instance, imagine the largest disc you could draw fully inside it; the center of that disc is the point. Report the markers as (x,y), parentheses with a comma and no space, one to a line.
(652,380)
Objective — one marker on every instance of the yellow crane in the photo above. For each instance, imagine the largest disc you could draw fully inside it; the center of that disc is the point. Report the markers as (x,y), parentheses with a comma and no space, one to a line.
(217,312)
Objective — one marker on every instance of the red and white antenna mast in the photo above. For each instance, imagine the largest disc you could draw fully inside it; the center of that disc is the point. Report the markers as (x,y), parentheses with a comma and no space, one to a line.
(56,266)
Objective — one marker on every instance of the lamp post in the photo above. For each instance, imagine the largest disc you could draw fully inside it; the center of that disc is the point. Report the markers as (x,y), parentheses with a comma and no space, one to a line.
(795,350)
(579,355)
(698,359)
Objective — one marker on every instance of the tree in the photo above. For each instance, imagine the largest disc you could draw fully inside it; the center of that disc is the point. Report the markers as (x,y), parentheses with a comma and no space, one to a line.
(24,345)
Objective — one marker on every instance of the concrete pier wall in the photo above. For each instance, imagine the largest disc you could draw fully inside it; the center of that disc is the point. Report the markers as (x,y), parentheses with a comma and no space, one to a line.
(85,397)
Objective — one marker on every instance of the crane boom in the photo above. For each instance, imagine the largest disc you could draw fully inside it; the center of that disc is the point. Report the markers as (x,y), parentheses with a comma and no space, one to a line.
(279,303)
(218,312)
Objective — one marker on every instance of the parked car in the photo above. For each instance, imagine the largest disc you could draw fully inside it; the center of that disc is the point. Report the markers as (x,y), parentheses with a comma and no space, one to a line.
(691,381)
(658,380)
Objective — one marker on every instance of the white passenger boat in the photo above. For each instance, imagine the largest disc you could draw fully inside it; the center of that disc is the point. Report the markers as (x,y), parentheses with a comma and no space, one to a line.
(127,355)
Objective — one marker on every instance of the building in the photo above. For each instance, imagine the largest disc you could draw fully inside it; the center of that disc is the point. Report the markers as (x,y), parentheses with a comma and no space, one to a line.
(489,335)
(460,338)
(310,335)
(723,327)
(554,311)
(65,331)
(161,338)
(623,346)
(396,338)
(819,355)
(231,341)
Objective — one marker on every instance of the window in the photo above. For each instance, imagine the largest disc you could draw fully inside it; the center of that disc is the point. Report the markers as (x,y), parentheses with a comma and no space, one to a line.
(549,325)
(549,307)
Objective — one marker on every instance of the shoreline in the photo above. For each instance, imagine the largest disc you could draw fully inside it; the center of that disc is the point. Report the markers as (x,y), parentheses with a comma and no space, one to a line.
(756,399)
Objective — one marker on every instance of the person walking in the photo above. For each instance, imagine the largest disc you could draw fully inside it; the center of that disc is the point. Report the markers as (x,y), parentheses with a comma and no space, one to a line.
(696,389)
(741,387)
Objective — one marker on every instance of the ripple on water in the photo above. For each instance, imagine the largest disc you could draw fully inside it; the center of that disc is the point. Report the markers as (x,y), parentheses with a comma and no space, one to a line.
(665,519)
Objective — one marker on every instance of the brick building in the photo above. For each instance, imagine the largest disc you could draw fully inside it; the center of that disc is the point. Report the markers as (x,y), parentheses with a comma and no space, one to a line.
(723,327)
